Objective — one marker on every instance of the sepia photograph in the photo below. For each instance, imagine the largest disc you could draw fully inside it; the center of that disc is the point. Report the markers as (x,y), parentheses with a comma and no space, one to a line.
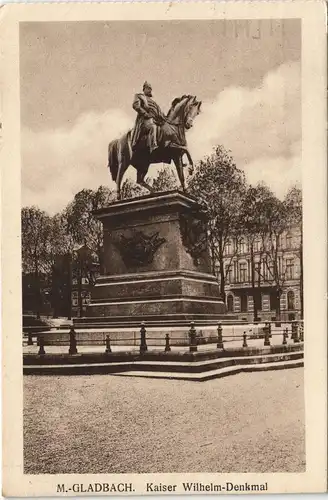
(163,252)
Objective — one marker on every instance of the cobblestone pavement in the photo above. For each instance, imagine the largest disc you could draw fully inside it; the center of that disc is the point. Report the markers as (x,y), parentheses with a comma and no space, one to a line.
(251,422)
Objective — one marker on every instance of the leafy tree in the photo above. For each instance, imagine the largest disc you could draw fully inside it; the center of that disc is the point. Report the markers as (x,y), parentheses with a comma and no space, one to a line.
(81,225)
(37,233)
(220,185)
(165,180)
(130,189)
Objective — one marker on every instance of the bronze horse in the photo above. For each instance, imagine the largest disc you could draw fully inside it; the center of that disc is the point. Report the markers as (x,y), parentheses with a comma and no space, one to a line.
(171,141)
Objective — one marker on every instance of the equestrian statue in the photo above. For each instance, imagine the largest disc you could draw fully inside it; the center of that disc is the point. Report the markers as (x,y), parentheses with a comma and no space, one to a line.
(155,138)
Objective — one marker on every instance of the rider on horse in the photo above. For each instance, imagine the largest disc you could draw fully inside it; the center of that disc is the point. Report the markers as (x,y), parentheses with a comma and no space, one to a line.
(149,117)
(156,138)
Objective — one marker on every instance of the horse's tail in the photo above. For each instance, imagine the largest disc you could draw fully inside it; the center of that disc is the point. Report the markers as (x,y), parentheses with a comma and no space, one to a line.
(119,157)
(113,159)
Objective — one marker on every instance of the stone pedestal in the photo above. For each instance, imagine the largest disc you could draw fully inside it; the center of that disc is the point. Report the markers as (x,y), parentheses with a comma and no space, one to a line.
(157,264)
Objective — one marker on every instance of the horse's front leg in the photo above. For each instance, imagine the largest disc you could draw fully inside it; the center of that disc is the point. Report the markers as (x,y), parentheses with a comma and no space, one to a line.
(147,186)
(179,166)
(141,181)
(191,163)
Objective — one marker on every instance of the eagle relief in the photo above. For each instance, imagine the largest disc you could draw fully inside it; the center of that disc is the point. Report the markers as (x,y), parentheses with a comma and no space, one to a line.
(194,235)
(138,249)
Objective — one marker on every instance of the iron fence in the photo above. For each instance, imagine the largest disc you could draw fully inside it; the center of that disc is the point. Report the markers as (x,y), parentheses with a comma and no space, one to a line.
(292,331)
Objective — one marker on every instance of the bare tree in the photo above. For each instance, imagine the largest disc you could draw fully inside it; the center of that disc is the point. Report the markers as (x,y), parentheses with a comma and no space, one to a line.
(275,225)
(255,228)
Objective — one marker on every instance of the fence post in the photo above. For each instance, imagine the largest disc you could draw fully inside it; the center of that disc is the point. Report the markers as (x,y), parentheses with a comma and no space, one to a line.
(108,348)
(41,346)
(284,336)
(219,345)
(266,334)
(296,338)
(167,343)
(29,338)
(72,341)
(143,343)
(301,332)
(245,340)
(269,326)
(192,336)
(293,331)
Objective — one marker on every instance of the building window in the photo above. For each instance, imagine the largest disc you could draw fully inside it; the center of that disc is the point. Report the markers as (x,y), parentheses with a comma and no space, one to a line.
(230,303)
(242,247)
(243,272)
(257,272)
(229,247)
(289,241)
(243,303)
(228,271)
(290,301)
(268,271)
(289,269)
(257,245)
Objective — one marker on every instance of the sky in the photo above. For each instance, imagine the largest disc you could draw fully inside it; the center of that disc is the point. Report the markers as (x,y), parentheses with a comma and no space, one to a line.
(78,80)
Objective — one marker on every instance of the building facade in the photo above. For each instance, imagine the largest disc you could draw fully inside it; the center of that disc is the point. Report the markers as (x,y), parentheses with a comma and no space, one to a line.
(80,296)
(268,271)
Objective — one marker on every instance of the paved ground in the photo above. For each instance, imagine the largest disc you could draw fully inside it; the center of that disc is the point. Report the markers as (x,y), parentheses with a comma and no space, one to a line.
(252,422)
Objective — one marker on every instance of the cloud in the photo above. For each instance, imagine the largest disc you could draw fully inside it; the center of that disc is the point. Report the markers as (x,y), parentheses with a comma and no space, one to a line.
(261,127)
(278,172)
(59,163)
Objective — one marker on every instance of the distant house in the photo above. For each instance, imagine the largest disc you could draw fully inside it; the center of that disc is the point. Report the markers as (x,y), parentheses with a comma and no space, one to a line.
(66,290)
(277,277)
(36,299)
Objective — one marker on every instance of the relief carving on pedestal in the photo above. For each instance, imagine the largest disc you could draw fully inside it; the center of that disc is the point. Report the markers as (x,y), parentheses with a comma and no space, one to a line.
(138,249)
(194,236)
